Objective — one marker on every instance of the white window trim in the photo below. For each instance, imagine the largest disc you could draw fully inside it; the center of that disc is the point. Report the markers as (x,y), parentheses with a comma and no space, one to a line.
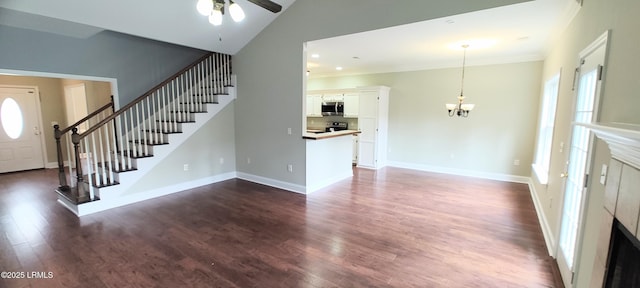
(550,98)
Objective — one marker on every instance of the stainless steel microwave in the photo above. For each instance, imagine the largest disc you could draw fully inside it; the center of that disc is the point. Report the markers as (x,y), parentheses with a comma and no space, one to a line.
(332,108)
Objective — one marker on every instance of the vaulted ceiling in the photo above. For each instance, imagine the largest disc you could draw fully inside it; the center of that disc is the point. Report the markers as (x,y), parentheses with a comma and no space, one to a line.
(172,21)
(523,31)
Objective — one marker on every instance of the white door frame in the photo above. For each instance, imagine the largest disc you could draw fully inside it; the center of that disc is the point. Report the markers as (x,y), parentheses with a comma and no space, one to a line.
(43,146)
(601,41)
(113,81)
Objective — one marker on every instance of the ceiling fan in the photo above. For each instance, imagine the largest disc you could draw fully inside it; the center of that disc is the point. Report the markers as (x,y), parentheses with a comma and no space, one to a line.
(267,4)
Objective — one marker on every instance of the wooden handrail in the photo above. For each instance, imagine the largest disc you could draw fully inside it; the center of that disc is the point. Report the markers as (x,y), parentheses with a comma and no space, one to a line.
(94,113)
(143,96)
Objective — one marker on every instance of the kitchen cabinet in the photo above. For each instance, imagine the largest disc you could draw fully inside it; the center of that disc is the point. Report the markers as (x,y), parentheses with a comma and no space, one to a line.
(373,122)
(333,97)
(351,105)
(314,105)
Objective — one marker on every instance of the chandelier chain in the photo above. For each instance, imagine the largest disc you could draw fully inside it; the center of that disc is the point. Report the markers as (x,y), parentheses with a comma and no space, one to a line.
(464,60)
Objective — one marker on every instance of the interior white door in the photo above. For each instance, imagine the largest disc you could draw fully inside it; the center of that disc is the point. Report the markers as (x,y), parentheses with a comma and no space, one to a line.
(75,99)
(578,167)
(20,133)
(367,124)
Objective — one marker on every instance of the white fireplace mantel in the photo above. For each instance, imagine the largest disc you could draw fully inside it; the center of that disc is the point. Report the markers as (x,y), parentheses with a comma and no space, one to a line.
(623,140)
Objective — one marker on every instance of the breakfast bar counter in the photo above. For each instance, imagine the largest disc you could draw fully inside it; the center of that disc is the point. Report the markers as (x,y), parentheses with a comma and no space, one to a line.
(325,135)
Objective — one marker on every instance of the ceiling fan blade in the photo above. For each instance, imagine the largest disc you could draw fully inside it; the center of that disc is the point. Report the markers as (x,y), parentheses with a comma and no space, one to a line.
(267,4)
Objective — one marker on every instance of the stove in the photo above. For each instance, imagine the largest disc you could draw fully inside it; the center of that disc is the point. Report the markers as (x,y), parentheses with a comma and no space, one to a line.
(336,126)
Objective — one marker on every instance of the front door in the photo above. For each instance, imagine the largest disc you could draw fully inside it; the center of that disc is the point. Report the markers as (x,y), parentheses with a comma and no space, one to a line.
(577,178)
(20,133)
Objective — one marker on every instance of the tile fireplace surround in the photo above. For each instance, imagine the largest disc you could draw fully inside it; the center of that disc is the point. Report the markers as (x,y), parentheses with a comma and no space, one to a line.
(622,189)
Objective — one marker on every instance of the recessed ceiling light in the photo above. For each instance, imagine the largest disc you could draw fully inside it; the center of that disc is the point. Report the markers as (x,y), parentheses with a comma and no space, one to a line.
(473,44)
(339,68)
(315,55)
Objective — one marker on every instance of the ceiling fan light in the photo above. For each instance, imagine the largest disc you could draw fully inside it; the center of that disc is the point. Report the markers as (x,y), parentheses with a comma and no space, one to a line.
(216,17)
(205,7)
(236,12)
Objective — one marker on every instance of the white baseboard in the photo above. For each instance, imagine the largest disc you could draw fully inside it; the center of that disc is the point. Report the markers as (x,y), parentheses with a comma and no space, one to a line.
(461,172)
(273,183)
(102,205)
(53,165)
(549,238)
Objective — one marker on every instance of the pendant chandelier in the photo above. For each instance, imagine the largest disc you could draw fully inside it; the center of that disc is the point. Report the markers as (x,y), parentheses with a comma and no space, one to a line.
(461,109)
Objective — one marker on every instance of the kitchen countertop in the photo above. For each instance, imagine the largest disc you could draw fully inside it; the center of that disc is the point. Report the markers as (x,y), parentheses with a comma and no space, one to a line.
(325,135)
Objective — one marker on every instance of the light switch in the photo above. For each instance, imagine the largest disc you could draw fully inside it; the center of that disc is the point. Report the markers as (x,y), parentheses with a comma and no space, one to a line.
(603,174)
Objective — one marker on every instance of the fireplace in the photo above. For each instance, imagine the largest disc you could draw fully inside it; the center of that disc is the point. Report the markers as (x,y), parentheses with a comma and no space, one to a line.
(624,259)
(617,261)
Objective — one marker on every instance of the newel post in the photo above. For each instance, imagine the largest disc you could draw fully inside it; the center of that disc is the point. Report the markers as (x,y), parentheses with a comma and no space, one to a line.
(75,138)
(61,175)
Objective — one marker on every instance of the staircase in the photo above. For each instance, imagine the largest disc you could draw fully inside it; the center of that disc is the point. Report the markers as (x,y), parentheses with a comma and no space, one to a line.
(108,150)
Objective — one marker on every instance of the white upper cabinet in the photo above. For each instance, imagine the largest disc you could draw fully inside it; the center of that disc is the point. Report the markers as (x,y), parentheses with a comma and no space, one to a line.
(333,97)
(351,105)
(314,105)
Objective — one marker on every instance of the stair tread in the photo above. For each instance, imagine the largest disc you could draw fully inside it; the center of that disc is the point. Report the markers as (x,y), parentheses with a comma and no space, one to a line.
(163,131)
(95,182)
(140,155)
(118,169)
(148,143)
(203,102)
(178,121)
(71,194)
(190,111)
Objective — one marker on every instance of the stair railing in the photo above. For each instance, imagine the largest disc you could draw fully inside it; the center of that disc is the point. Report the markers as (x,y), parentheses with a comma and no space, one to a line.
(112,145)
(63,137)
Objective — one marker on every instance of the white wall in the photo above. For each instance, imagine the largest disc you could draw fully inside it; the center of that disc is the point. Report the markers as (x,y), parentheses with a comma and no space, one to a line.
(422,135)
(619,103)
(271,69)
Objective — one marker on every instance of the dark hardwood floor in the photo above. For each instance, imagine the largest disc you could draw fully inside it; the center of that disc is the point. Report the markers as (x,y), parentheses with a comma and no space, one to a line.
(386,228)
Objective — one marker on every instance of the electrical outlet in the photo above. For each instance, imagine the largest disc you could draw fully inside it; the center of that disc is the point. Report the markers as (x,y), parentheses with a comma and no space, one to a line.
(186,167)
(516,162)
(248,160)
(290,168)
(221,160)
(289,131)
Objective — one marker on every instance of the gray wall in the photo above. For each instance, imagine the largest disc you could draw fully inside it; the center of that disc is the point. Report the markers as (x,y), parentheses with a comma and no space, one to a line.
(137,63)
(271,69)
(619,103)
(421,134)
(202,152)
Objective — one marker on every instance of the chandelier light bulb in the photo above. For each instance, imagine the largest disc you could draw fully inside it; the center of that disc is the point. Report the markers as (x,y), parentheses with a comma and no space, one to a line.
(216,17)
(205,7)
(236,12)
